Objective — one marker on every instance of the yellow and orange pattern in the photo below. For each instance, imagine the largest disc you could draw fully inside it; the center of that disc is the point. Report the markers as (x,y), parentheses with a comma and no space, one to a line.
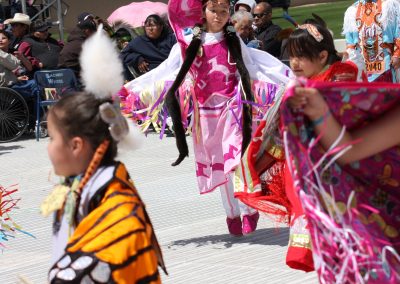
(114,243)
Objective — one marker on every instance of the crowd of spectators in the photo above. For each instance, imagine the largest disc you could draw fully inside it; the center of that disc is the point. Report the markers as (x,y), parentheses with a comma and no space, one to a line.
(31,46)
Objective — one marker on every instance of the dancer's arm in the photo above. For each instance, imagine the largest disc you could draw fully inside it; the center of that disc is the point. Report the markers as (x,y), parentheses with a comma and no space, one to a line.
(376,137)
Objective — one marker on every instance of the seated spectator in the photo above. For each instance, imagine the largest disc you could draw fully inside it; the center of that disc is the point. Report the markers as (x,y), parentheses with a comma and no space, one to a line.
(245,5)
(266,31)
(146,52)
(20,28)
(40,48)
(123,35)
(8,62)
(69,55)
(12,68)
(242,22)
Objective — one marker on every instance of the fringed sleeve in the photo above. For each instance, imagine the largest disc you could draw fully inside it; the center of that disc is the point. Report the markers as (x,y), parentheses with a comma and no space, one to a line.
(350,30)
(143,98)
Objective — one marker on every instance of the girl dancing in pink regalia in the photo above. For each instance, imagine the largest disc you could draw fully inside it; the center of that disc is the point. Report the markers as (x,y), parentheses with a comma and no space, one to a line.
(228,84)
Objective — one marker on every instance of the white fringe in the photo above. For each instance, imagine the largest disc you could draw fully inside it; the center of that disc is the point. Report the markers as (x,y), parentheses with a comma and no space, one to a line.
(102,71)
(390,13)
(133,140)
(349,23)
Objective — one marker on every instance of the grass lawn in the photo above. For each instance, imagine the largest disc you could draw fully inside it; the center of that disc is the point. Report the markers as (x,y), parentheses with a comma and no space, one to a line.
(332,13)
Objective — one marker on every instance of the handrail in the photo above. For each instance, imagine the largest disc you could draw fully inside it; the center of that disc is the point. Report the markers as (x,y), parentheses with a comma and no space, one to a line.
(59,4)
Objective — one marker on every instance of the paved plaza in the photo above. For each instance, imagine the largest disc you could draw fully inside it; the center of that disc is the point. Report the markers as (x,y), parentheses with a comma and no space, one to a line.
(191,228)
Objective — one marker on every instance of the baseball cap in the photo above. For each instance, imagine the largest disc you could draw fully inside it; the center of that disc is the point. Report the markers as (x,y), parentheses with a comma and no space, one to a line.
(86,21)
(40,26)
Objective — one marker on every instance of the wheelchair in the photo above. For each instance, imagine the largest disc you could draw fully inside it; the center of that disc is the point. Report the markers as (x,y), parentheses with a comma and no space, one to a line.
(14,115)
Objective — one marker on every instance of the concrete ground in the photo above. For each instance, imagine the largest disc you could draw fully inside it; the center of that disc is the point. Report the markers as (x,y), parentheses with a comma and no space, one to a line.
(191,228)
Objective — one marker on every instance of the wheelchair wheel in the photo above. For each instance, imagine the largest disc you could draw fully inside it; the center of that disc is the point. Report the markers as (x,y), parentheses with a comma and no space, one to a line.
(14,115)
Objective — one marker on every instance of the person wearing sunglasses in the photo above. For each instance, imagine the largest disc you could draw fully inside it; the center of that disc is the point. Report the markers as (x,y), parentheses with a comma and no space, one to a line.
(266,32)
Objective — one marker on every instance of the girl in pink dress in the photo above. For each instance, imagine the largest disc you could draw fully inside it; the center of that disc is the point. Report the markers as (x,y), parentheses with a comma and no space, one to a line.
(223,79)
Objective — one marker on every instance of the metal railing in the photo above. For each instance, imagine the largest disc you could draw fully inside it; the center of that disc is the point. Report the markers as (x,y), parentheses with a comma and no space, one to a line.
(60,7)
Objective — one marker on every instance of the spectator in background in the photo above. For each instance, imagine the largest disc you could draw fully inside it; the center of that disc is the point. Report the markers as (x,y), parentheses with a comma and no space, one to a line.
(266,32)
(8,62)
(372,28)
(19,28)
(242,22)
(69,55)
(147,51)
(41,49)
(245,5)
(12,70)
(123,36)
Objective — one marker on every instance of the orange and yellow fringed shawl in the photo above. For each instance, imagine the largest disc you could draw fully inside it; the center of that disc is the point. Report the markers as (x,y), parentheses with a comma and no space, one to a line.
(115,242)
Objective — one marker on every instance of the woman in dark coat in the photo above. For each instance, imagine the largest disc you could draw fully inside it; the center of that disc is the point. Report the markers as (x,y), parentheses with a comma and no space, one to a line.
(146,52)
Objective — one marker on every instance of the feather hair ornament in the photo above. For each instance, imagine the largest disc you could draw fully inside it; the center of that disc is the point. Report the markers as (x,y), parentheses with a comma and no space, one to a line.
(102,71)
(102,75)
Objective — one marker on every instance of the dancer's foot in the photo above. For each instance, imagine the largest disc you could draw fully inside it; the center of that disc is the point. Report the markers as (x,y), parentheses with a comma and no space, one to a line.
(234,226)
(250,223)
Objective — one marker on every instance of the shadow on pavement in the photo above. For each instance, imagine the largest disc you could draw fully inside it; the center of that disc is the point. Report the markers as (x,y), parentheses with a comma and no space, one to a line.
(268,236)
(6,149)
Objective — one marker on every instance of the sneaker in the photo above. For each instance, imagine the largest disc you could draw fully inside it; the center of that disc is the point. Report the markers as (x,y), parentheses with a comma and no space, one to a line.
(234,226)
(250,223)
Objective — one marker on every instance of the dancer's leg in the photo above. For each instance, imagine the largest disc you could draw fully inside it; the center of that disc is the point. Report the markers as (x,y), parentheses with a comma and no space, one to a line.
(232,210)
(230,203)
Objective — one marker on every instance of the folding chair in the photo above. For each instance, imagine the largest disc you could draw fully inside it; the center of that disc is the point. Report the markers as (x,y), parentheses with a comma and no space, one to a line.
(52,84)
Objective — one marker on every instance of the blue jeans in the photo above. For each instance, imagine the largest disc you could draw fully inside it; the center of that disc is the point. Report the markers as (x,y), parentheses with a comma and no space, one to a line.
(29,91)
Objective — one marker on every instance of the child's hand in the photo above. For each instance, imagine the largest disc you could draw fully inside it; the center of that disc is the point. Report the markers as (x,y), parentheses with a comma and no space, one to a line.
(311,101)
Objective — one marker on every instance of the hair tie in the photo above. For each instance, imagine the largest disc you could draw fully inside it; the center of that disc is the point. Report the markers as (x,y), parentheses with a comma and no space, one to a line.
(111,115)
(230,29)
(197,31)
(313,31)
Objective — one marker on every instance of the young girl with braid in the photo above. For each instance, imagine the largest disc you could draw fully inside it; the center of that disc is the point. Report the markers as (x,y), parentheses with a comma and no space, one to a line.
(223,79)
(265,181)
(101,230)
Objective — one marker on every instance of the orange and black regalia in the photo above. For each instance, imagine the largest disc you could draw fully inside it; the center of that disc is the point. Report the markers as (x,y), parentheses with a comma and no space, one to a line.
(114,242)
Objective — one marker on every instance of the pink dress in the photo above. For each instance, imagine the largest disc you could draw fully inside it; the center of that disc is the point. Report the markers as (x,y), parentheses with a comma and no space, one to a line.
(212,84)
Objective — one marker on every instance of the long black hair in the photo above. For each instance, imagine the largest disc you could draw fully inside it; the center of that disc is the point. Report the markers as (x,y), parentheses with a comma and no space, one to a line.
(302,44)
(172,103)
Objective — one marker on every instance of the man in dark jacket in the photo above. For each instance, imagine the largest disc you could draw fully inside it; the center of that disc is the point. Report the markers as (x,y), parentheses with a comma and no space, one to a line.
(40,48)
(69,56)
(266,32)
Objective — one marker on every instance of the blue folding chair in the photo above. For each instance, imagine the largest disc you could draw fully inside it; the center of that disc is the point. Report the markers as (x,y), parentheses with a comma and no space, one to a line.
(52,84)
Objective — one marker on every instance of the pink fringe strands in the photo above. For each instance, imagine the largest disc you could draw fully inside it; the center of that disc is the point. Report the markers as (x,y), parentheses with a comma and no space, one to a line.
(352,210)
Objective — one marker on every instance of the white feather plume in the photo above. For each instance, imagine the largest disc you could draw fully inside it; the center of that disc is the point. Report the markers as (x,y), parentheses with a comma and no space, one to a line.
(349,23)
(134,140)
(102,71)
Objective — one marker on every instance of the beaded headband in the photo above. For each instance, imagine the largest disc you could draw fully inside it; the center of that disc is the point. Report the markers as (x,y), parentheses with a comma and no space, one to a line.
(312,30)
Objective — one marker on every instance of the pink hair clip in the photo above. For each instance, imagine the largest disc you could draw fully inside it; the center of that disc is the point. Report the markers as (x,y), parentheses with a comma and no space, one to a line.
(312,30)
